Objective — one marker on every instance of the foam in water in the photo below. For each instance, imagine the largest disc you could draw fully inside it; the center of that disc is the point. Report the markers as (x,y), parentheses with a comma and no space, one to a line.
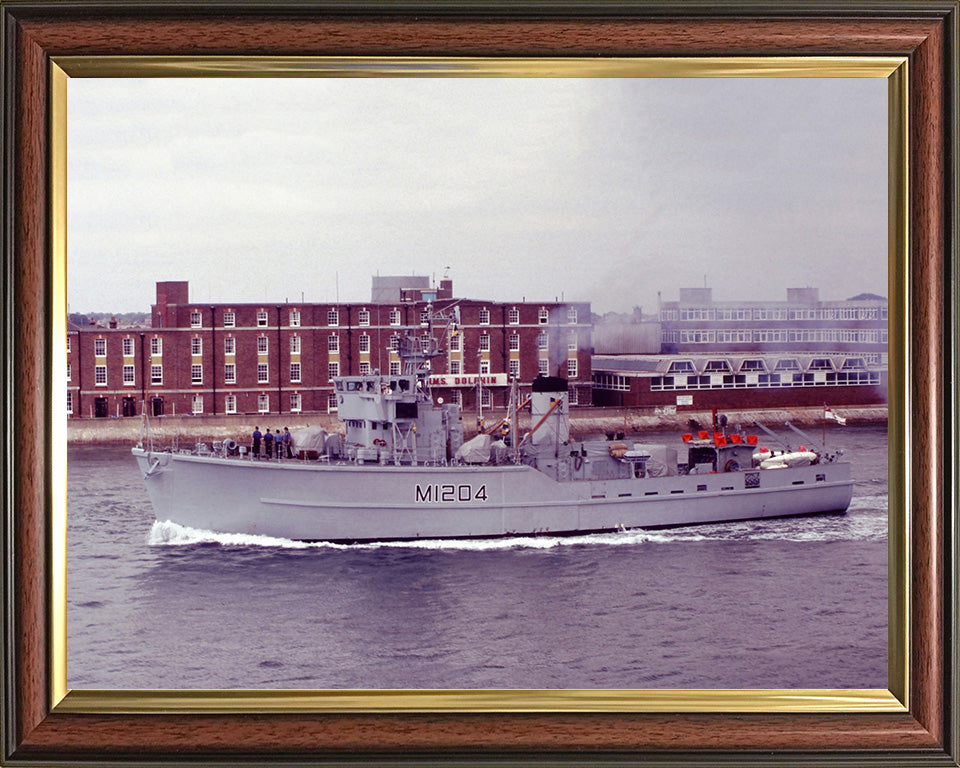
(862,526)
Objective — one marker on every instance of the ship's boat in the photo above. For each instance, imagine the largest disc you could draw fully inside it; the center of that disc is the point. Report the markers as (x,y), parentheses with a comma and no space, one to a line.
(402,470)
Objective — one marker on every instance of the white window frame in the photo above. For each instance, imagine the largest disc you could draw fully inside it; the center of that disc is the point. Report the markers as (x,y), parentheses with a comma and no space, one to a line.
(129,375)
(196,373)
(263,403)
(229,319)
(156,346)
(484,316)
(230,404)
(543,316)
(513,368)
(230,373)
(484,367)
(69,402)
(333,317)
(69,371)
(454,367)
(364,367)
(394,367)
(364,342)
(262,319)
(296,373)
(394,316)
(100,347)
(484,342)
(295,345)
(572,315)
(230,345)
(263,345)
(543,365)
(513,316)
(100,375)
(294,318)
(196,346)
(573,368)
(156,374)
(196,318)
(333,370)
(363,318)
(263,373)
(514,342)
(296,402)
(196,404)
(333,343)
(128,349)
(332,402)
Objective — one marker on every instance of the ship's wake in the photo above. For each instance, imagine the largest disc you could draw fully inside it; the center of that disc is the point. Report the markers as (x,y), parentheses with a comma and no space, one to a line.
(866,521)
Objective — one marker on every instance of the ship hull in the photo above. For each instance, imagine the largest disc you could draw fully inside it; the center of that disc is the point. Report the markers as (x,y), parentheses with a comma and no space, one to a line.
(316,501)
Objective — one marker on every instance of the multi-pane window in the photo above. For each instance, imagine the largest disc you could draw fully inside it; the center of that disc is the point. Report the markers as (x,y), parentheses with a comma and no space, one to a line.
(543,316)
(426,343)
(196,318)
(294,318)
(197,404)
(513,316)
(295,402)
(543,341)
(295,372)
(424,317)
(263,345)
(196,346)
(263,373)
(69,371)
(571,314)
(333,369)
(230,345)
(100,347)
(156,346)
(295,345)
(128,347)
(333,317)
(573,367)
(230,321)
(196,374)
(485,398)
(100,375)
(394,343)
(484,366)
(230,404)
(69,344)
(514,342)
(543,364)
(573,396)
(261,319)
(394,367)
(129,375)
(485,342)
(572,341)
(333,343)
(484,316)
(263,403)
(69,402)
(156,374)
(364,343)
(455,342)
(230,373)
(363,317)
(365,368)
(514,368)
(394,317)
(331,403)
(455,367)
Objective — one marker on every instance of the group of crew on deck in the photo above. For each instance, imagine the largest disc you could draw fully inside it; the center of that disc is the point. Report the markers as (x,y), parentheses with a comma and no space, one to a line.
(281,441)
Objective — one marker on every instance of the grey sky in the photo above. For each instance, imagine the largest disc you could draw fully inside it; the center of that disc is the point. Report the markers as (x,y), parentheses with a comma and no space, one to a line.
(605,190)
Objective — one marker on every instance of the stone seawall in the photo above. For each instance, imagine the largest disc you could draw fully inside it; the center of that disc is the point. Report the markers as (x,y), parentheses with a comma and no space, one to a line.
(583,421)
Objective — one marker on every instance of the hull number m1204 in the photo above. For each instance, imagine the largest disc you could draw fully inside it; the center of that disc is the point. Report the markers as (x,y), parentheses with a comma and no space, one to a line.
(451,493)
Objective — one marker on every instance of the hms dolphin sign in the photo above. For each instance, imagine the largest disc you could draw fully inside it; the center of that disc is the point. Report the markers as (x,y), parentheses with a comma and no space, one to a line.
(469,380)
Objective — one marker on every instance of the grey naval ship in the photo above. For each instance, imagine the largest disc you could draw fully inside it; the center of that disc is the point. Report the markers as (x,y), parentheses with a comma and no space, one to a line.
(402,469)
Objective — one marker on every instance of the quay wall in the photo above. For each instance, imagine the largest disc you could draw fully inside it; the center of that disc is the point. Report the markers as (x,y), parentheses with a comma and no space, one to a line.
(583,421)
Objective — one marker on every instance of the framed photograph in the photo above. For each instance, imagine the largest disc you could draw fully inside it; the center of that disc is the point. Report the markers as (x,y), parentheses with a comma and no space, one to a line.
(883,89)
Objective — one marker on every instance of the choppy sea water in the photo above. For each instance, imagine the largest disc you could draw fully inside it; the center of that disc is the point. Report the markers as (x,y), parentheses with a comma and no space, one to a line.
(792,603)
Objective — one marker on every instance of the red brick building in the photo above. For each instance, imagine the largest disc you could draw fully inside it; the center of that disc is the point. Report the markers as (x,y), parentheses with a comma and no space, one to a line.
(280,358)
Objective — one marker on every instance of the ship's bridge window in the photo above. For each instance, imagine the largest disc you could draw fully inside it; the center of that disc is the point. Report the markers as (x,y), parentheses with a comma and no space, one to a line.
(853,364)
(354,386)
(339,386)
(717,366)
(752,365)
(404,385)
(681,366)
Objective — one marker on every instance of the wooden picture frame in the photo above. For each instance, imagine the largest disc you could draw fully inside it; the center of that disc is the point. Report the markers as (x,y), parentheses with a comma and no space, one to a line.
(35,34)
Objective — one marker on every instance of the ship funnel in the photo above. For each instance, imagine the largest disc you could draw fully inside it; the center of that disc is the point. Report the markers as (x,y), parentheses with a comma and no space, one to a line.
(550,417)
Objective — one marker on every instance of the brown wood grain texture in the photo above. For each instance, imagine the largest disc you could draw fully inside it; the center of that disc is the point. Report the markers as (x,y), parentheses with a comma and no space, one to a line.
(29,370)
(927,244)
(41,733)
